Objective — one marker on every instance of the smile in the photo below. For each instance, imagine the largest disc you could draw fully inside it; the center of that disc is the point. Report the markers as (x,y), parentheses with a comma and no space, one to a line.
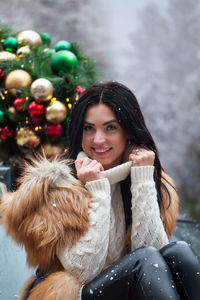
(101,150)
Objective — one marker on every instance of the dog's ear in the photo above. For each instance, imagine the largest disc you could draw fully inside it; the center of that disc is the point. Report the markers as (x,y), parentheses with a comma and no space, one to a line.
(11,215)
(4,206)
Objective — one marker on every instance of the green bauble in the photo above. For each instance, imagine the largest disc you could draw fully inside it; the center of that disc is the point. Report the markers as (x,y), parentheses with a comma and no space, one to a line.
(46,38)
(62,45)
(49,51)
(10,44)
(2,117)
(63,61)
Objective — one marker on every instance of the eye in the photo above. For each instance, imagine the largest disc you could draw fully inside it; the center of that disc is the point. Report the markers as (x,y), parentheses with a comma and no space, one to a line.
(87,128)
(111,127)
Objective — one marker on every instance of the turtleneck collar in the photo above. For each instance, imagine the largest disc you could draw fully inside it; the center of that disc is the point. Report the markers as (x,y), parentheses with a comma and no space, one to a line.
(115,174)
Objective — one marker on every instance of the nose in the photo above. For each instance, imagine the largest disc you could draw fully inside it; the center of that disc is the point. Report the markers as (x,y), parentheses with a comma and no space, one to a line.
(99,137)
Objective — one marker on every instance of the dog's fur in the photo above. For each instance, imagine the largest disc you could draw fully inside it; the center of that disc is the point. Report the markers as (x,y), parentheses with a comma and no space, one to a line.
(47,211)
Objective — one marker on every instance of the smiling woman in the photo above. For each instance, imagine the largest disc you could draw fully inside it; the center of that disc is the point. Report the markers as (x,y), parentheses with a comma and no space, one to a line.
(116,157)
(104,139)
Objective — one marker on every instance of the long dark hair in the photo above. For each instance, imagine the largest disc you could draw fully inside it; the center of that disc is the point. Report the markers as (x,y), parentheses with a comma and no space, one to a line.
(129,115)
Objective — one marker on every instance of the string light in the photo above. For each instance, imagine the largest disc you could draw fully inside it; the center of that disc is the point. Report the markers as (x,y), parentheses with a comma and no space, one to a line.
(2,96)
(26,98)
(70,105)
(53,99)
(67,99)
(66,149)
(77,97)
(37,128)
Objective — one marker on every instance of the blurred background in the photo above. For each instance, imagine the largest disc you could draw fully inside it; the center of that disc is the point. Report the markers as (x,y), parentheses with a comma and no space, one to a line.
(151,46)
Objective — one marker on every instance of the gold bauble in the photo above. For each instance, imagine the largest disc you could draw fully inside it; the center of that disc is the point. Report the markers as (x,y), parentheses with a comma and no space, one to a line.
(29,37)
(4,56)
(17,79)
(42,89)
(23,51)
(27,138)
(56,112)
(11,113)
(51,150)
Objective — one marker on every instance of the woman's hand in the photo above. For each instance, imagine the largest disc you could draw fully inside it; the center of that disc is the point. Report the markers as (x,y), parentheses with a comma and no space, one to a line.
(142,157)
(88,169)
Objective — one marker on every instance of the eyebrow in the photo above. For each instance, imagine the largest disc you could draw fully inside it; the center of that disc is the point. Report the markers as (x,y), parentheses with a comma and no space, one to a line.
(106,123)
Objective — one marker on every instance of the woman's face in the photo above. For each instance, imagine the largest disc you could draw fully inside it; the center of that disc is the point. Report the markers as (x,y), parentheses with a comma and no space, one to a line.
(104,139)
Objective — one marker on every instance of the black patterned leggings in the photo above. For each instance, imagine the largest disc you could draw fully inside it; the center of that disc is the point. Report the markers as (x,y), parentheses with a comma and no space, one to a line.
(149,274)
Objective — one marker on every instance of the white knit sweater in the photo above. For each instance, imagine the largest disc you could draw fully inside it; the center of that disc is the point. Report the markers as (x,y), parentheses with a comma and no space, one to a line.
(105,239)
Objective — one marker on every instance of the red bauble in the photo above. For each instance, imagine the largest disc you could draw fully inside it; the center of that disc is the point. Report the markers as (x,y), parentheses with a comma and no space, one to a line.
(54,130)
(5,133)
(35,109)
(19,104)
(37,119)
(79,89)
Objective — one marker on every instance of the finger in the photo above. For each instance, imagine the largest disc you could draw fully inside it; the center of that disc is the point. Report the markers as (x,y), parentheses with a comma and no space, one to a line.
(95,166)
(101,168)
(78,163)
(96,163)
(86,161)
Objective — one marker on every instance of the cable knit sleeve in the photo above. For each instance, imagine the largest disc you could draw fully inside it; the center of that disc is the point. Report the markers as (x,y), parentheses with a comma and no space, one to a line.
(86,259)
(147,227)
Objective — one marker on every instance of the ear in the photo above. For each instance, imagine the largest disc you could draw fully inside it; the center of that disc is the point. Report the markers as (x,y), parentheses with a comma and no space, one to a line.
(5,206)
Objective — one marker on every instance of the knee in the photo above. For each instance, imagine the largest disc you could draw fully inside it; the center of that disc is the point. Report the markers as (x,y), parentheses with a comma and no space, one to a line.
(145,252)
(149,256)
(180,248)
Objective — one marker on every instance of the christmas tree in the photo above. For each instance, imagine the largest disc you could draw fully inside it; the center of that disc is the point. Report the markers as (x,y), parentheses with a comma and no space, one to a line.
(39,84)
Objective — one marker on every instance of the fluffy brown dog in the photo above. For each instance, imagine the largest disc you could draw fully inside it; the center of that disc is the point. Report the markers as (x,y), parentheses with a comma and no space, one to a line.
(47,211)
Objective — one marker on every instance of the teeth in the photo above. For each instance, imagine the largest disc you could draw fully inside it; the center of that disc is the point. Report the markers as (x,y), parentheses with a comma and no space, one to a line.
(101,150)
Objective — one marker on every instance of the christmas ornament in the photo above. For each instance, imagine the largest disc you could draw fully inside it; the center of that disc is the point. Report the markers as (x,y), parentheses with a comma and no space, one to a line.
(56,112)
(79,89)
(51,150)
(12,113)
(42,89)
(29,37)
(35,109)
(50,51)
(62,45)
(1,74)
(46,39)
(25,137)
(17,79)
(36,119)
(2,116)
(23,51)
(5,133)
(4,56)
(10,44)
(54,130)
(63,61)
(18,104)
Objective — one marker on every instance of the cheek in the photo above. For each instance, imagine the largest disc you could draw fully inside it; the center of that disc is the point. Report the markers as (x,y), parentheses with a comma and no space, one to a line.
(121,142)
(85,142)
